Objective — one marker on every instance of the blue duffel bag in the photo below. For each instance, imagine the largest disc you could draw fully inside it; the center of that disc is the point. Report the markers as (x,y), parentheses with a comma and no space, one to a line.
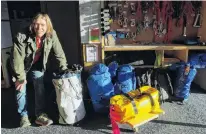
(100,87)
(198,60)
(126,80)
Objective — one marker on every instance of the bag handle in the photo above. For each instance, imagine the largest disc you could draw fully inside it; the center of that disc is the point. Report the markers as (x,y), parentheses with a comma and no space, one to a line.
(132,101)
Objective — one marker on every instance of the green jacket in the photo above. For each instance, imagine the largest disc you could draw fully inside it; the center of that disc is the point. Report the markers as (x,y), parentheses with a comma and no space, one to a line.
(23,52)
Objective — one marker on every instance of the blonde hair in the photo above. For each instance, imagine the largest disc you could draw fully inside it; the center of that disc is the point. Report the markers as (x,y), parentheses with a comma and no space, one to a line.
(48,22)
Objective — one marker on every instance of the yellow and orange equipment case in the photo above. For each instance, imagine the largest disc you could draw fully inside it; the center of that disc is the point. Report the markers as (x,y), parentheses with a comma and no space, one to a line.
(135,108)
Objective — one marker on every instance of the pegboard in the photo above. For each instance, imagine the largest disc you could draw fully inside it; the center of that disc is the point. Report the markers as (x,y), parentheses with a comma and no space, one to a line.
(147,34)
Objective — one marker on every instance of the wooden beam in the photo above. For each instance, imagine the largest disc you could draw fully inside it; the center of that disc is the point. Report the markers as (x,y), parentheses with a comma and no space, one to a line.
(159,47)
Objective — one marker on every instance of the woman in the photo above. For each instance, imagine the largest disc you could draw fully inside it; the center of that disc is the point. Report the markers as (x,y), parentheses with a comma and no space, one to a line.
(29,57)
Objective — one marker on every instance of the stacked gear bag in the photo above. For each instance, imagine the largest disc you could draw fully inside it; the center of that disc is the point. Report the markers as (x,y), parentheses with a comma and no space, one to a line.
(69,97)
(126,80)
(134,108)
(100,87)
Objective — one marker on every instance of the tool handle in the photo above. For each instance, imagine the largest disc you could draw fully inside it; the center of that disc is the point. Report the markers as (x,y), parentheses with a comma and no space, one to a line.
(184,31)
(196,24)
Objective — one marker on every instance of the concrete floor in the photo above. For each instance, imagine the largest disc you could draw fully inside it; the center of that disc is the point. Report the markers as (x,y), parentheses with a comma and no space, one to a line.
(178,119)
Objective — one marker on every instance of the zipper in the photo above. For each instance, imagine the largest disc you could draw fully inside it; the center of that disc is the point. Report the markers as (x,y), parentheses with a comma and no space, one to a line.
(44,55)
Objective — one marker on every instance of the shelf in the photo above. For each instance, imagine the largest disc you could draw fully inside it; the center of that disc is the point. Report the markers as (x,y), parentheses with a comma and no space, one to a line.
(127,47)
(143,66)
(196,47)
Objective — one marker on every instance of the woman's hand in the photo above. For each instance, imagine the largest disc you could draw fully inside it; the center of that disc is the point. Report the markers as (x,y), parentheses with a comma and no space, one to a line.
(19,85)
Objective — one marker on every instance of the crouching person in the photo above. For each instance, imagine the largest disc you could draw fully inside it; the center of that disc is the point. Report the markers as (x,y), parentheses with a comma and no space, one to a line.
(28,60)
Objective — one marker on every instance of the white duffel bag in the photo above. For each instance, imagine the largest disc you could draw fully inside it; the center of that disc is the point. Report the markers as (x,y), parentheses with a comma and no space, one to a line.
(69,99)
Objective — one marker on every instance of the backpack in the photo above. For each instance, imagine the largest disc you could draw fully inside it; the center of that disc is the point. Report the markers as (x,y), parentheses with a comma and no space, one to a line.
(157,78)
(100,87)
(161,80)
(143,76)
(185,76)
(126,80)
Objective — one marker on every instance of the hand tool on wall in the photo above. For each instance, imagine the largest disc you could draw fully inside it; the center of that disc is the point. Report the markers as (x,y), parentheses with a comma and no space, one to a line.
(197,21)
(184,25)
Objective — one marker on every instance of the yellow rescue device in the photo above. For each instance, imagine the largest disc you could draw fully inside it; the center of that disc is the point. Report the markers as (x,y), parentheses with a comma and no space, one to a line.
(136,107)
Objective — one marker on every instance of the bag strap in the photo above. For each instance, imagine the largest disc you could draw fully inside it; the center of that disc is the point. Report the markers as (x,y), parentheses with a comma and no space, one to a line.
(133,80)
(150,97)
(170,83)
(157,85)
(132,101)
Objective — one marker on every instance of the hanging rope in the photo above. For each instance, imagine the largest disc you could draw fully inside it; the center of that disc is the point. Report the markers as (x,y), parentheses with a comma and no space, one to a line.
(187,10)
(164,11)
(169,13)
(139,11)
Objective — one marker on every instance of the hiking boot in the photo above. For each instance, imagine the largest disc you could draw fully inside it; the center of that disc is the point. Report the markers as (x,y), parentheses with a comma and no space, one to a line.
(25,121)
(43,120)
